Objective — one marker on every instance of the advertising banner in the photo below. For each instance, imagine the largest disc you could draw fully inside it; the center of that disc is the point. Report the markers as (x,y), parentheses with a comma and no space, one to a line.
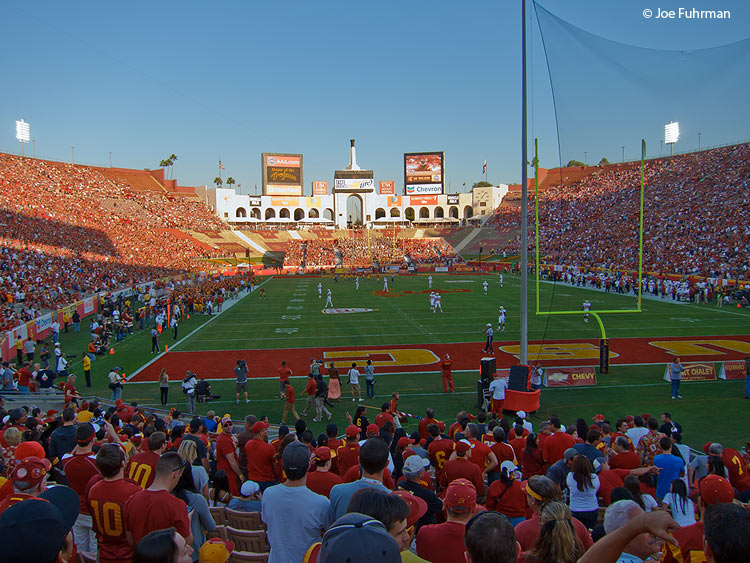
(387,187)
(255,201)
(453,200)
(424,172)
(423,200)
(732,370)
(354,183)
(569,377)
(88,306)
(43,323)
(282,174)
(284,201)
(320,188)
(394,201)
(695,371)
(419,189)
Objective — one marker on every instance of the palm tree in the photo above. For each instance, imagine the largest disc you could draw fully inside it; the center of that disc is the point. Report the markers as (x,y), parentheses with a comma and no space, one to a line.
(218,182)
(171,159)
(163,163)
(230,181)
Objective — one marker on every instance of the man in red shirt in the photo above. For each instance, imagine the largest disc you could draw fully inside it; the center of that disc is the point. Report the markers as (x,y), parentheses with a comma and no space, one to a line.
(439,450)
(71,395)
(458,425)
(24,378)
(260,457)
(446,369)
(156,508)
(519,442)
(739,474)
(320,479)
(555,445)
(79,467)
(29,480)
(462,468)
(444,543)
(311,389)
(288,395)
(384,416)
(348,454)
(284,373)
(501,450)
(481,454)
(141,468)
(425,422)
(625,458)
(106,499)
(226,456)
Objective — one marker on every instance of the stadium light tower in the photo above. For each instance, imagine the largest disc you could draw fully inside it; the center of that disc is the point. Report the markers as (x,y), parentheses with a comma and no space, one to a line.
(671,135)
(23,133)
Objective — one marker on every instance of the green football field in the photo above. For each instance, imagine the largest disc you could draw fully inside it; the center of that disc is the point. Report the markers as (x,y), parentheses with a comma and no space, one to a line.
(291,318)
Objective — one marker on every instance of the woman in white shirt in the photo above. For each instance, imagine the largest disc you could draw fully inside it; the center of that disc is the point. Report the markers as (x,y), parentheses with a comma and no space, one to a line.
(645,501)
(583,485)
(678,503)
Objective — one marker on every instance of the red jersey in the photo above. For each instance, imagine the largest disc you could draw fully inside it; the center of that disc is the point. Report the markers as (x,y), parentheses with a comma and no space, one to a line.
(146,511)
(15,498)
(479,454)
(422,427)
(455,427)
(512,434)
(142,468)
(289,394)
(312,387)
(382,418)
(739,475)
(625,460)
(446,366)
(440,451)
(334,444)
(518,445)
(503,452)
(532,463)
(225,446)
(260,460)
(508,498)
(322,482)
(24,376)
(284,373)
(609,480)
(442,543)
(691,545)
(554,447)
(106,503)
(78,469)
(348,456)
(462,468)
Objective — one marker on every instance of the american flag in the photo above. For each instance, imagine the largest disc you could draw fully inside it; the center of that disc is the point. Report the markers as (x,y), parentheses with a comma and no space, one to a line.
(221,166)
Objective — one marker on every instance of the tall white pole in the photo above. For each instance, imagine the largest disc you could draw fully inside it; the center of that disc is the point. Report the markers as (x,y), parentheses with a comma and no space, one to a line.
(524,202)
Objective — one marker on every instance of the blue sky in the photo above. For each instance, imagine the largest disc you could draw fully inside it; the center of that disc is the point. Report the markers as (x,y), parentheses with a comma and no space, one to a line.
(234,79)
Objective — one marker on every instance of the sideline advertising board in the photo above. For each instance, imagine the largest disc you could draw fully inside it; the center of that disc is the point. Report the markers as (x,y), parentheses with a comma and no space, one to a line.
(569,377)
(694,371)
(282,174)
(424,173)
(732,370)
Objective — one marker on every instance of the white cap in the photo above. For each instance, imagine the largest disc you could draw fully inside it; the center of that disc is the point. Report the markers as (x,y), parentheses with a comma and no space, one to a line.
(489,324)
(521,414)
(509,466)
(249,488)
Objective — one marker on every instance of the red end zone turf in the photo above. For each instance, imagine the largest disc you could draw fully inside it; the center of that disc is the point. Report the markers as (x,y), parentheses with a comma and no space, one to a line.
(427,357)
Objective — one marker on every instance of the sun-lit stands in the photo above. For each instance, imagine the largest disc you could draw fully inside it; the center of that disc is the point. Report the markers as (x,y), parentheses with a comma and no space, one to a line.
(136,180)
(67,230)
(696,216)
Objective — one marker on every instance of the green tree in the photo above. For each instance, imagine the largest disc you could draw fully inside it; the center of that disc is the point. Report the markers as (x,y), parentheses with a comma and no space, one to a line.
(481,184)
(603,161)
(218,182)
(172,158)
(230,181)
(575,163)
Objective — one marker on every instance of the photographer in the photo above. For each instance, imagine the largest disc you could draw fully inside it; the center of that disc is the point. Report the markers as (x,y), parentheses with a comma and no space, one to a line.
(240,372)
(188,387)
(115,383)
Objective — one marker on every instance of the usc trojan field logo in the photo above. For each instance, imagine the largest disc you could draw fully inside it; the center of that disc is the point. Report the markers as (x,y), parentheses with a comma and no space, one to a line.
(381,293)
(395,357)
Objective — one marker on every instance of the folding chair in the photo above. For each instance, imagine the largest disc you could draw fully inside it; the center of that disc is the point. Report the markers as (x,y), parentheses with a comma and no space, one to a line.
(243,520)
(253,541)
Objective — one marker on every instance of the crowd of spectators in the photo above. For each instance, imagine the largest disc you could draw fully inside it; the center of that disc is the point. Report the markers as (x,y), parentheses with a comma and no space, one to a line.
(696,216)
(615,489)
(357,249)
(68,231)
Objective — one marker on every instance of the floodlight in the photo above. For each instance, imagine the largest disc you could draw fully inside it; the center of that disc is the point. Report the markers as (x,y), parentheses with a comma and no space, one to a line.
(671,132)
(23,133)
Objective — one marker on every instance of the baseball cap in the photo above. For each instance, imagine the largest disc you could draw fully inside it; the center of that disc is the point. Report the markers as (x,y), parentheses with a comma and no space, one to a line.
(598,417)
(52,412)
(226,418)
(521,414)
(215,550)
(373,430)
(30,472)
(415,464)
(715,449)
(714,489)
(598,464)
(296,457)
(460,495)
(323,453)
(54,511)
(85,433)
(29,449)
(508,465)
(352,430)
(358,537)
(16,415)
(405,441)
(249,488)
(463,446)
(259,427)
(489,324)
(570,453)
(417,506)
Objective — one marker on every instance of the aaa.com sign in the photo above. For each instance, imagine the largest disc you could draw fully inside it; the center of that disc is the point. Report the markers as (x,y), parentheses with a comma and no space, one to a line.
(569,377)
(695,371)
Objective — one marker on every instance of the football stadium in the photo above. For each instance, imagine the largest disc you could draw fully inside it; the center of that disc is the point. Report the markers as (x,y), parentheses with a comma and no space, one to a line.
(385,349)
